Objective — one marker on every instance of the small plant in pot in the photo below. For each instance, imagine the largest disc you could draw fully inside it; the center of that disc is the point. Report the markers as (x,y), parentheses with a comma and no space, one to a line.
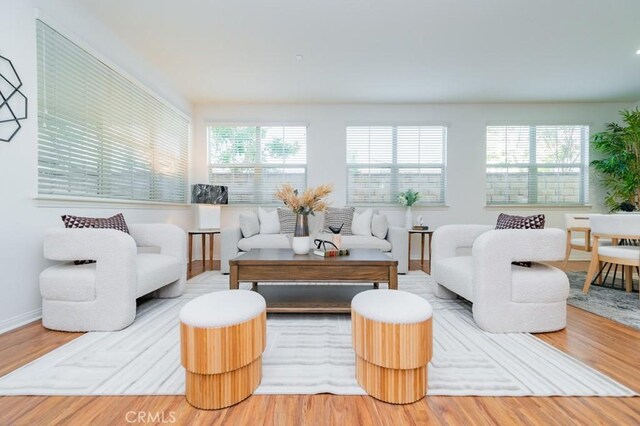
(408,198)
(619,170)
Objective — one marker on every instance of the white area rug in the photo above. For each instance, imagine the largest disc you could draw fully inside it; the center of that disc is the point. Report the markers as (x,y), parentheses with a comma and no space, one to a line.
(308,354)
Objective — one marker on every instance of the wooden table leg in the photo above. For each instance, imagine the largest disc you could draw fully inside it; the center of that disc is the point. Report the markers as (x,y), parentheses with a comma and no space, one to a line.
(204,252)
(409,261)
(429,262)
(628,278)
(393,277)
(211,250)
(422,250)
(233,278)
(190,250)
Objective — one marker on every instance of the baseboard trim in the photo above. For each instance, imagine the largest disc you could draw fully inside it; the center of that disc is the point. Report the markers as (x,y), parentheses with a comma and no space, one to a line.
(20,320)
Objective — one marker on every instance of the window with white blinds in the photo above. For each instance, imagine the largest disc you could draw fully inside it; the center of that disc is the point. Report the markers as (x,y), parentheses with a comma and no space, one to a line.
(383,161)
(538,164)
(253,161)
(101,135)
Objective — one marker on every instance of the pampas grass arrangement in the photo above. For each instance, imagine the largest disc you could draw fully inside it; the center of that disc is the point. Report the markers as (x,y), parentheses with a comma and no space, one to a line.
(312,199)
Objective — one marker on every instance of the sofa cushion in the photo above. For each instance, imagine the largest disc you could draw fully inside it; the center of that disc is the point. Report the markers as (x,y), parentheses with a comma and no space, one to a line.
(456,274)
(114,222)
(539,284)
(336,217)
(379,226)
(264,241)
(155,271)
(360,241)
(287,220)
(69,282)
(249,224)
(269,222)
(361,224)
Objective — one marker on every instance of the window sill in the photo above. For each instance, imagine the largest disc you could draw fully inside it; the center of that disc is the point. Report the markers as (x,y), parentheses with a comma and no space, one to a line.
(539,206)
(49,201)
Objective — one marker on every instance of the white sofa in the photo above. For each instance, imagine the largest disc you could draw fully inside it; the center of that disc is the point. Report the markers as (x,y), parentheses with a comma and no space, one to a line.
(394,245)
(101,296)
(474,261)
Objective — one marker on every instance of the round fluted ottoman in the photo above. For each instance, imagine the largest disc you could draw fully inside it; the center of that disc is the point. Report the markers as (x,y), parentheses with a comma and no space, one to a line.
(392,338)
(223,335)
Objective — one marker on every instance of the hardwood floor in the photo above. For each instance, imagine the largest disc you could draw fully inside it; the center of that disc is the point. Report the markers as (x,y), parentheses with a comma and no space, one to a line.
(607,346)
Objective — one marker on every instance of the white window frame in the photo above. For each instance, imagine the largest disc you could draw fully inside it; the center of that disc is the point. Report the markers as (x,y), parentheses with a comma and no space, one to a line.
(532,165)
(395,168)
(272,201)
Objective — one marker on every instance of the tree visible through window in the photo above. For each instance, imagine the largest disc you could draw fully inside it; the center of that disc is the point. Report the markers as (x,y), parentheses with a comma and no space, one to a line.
(253,161)
(537,164)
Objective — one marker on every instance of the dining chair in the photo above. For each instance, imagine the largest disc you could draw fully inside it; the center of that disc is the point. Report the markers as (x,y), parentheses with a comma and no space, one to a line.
(618,228)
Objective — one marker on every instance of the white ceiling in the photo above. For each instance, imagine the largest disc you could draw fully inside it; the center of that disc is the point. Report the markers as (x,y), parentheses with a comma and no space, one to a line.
(386,51)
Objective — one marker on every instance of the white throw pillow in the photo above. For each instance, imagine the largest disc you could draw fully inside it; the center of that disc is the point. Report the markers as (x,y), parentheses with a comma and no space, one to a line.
(249,224)
(379,226)
(269,222)
(361,224)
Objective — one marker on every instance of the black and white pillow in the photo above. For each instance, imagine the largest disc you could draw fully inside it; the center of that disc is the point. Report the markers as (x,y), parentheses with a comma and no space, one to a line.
(506,221)
(335,217)
(114,222)
(287,220)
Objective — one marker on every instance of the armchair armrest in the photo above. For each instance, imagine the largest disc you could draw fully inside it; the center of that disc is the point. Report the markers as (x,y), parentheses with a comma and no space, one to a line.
(230,237)
(399,239)
(449,239)
(92,244)
(520,245)
(114,252)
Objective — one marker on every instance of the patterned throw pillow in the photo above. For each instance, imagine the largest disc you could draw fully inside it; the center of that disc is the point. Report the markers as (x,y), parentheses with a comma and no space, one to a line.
(114,222)
(287,220)
(506,221)
(337,216)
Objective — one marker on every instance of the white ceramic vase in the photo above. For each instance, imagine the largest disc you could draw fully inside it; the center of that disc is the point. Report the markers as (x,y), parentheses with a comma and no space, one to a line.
(301,245)
(408,218)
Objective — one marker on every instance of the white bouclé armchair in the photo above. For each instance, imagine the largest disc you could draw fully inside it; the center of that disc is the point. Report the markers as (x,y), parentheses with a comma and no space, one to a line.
(474,261)
(101,296)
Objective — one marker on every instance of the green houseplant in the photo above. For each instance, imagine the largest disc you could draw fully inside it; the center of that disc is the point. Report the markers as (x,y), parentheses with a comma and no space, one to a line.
(619,170)
(407,199)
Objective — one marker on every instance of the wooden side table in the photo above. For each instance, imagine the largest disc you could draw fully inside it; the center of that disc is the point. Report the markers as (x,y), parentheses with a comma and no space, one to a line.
(422,233)
(204,232)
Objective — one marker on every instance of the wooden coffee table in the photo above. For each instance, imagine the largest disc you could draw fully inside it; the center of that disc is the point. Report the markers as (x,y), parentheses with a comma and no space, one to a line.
(266,265)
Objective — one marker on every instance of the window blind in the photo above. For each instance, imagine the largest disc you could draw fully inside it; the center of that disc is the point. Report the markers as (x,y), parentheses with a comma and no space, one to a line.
(538,164)
(383,161)
(253,161)
(101,135)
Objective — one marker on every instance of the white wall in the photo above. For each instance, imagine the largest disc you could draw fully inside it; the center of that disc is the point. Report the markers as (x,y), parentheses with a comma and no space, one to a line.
(466,147)
(22,218)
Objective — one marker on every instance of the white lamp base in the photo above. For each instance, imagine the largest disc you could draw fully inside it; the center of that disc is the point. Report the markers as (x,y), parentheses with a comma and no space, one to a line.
(207,216)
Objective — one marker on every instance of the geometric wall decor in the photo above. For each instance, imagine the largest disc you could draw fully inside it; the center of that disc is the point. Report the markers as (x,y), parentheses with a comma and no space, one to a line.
(13,104)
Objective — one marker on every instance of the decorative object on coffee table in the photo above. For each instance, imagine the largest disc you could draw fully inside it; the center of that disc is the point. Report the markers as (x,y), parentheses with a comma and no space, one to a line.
(208,199)
(337,238)
(393,345)
(311,201)
(13,105)
(408,198)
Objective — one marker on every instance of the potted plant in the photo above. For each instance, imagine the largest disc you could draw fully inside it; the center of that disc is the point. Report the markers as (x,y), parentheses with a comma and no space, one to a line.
(408,198)
(619,170)
(311,201)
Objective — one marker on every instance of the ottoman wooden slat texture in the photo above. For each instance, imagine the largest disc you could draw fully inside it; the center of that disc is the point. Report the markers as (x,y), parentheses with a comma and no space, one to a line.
(223,336)
(392,338)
